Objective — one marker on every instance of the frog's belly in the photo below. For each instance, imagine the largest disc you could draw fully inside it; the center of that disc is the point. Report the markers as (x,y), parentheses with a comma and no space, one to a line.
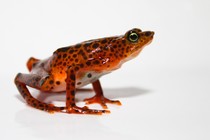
(82,79)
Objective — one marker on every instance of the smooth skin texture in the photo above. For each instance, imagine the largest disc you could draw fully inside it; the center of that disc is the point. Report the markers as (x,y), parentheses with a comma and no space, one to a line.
(75,66)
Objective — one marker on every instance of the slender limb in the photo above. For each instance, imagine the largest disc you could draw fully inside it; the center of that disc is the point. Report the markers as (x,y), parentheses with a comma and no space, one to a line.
(99,97)
(70,95)
(32,80)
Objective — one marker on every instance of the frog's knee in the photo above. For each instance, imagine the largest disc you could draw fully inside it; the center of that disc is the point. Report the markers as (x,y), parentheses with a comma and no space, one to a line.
(31,61)
(17,77)
(43,80)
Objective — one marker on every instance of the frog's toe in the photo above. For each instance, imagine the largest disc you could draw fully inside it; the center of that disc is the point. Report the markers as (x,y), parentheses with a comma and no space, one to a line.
(102,101)
(116,102)
(96,99)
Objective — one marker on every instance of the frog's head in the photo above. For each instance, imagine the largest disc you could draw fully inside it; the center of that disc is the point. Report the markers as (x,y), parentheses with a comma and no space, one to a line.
(134,41)
(130,44)
(113,51)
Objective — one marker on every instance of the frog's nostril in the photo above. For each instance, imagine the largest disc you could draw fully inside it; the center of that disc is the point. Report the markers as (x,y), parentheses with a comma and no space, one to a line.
(149,33)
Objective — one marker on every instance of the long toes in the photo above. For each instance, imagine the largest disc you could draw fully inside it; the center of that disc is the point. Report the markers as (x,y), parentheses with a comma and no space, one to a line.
(92,101)
(116,102)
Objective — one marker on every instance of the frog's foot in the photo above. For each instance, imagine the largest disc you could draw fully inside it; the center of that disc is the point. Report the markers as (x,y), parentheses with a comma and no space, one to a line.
(102,101)
(51,108)
(45,107)
(85,110)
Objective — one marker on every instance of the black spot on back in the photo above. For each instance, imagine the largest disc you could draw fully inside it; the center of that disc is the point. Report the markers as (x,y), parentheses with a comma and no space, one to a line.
(88,63)
(64,49)
(71,51)
(75,55)
(64,55)
(81,52)
(78,46)
(112,50)
(95,45)
(59,56)
(104,41)
(123,41)
(87,44)
(96,62)
(76,60)
(81,65)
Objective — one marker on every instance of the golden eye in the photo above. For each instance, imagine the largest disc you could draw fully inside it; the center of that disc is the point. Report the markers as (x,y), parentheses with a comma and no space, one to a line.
(133,37)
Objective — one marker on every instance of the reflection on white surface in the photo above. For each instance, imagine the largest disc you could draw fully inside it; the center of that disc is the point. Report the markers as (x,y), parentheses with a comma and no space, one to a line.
(63,126)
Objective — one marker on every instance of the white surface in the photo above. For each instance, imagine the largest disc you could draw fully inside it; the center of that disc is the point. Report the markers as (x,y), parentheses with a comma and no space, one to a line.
(165,91)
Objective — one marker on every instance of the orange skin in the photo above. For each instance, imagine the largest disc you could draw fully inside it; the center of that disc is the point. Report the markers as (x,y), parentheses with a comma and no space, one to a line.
(75,66)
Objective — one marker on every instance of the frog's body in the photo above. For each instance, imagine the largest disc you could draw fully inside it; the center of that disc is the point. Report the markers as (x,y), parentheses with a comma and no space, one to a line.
(78,65)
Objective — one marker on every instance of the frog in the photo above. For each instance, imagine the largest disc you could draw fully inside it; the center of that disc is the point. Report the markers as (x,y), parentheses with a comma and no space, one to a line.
(73,67)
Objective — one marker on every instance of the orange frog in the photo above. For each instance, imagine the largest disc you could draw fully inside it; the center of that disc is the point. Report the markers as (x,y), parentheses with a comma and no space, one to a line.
(75,66)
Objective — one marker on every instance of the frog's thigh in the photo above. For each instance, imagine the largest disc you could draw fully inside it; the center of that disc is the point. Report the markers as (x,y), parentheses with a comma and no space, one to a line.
(38,81)
(31,80)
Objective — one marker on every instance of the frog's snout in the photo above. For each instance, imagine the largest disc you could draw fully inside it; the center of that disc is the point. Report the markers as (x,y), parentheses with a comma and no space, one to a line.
(149,33)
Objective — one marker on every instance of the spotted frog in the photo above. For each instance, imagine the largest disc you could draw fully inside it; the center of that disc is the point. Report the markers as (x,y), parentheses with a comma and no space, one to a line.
(72,67)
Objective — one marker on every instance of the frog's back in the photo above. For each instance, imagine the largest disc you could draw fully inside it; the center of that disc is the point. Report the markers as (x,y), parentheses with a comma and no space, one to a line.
(79,54)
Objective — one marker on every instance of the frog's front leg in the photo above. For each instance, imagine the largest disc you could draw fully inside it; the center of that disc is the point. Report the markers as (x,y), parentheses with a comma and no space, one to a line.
(99,97)
(33,80)
(70,95)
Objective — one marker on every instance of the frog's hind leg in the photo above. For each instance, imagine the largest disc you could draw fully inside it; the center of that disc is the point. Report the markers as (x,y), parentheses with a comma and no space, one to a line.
(32,80)
(31,61)
(99,97)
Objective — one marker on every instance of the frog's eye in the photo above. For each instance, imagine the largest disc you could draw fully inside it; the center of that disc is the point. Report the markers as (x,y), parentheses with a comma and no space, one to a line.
(133,37)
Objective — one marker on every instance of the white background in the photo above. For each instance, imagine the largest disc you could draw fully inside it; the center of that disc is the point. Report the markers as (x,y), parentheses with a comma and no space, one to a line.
(165,91)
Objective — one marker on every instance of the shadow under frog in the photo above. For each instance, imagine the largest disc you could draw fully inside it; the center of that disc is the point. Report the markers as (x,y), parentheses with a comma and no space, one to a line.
(88,92)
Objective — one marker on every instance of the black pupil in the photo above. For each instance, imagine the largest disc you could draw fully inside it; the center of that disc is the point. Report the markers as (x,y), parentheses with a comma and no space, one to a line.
(133,37)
